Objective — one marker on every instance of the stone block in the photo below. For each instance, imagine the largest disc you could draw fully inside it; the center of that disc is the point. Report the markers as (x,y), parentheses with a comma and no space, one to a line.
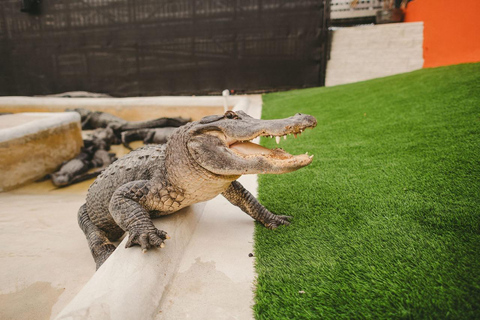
(35,144)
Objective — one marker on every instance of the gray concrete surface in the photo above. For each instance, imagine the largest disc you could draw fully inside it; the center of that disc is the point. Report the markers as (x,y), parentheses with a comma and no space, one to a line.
(44,259)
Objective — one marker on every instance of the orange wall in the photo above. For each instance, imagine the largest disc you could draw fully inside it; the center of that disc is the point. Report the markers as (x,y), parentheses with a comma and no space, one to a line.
(451,30)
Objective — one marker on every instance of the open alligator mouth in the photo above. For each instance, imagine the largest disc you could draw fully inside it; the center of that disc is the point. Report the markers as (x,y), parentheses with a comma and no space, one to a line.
(225,146)
(247,148)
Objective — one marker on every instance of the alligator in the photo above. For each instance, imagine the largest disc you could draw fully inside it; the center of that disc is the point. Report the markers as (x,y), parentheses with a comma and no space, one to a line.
(102,158)
(73,168)
(76,169)
(201,160)
(149,136)
(78,94)
(101,138)
(94,154)
(99,119)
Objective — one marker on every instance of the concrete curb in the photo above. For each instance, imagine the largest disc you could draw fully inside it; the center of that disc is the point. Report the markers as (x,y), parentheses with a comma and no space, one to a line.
(133,102)
(132,285)
(129,283)
(133,109)
(34,122)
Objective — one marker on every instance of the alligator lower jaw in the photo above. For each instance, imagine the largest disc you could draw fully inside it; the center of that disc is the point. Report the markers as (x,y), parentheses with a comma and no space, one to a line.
(248,149)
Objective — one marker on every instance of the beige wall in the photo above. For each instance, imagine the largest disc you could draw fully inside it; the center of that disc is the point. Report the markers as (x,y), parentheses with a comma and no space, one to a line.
(374,51)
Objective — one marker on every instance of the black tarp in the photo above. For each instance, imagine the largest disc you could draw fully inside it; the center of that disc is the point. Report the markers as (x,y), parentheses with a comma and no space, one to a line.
(158,47)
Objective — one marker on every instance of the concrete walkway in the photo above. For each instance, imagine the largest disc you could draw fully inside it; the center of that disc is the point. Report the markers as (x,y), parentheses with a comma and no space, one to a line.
(44,259)
(46,268)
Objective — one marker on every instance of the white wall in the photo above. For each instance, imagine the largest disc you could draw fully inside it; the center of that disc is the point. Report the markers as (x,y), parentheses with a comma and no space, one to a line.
(367,52)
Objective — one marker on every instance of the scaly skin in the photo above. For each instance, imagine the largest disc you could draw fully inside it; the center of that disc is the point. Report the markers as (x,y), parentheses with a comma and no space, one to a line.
(200,161)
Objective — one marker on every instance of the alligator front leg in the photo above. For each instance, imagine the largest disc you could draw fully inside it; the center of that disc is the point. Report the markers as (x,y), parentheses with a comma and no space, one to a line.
(241,197)
(126,208)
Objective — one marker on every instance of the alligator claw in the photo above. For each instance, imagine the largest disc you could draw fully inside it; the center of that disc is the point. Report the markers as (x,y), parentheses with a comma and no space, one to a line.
(278,221)
(147,240)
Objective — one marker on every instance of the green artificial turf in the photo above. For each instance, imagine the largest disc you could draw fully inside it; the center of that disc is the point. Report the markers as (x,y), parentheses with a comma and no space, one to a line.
(387,217)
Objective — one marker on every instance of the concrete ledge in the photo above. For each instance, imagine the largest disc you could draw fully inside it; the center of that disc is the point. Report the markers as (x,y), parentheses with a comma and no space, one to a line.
(128,285)
(35,144)
(133,109)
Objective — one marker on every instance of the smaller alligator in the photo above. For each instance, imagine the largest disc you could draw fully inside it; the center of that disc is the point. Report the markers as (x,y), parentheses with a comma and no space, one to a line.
(72,169)
(98,119)
(102,159)
(101,138)
(78,94)
(76,170)
(149,136)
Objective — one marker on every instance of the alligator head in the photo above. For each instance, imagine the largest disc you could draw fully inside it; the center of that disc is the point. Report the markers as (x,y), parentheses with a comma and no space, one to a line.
(222,144)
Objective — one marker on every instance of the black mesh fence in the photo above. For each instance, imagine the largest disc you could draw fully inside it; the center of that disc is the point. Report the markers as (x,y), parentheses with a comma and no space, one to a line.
(155,47)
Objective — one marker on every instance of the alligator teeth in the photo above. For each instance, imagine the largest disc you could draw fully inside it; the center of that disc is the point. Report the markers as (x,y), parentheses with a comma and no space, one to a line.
(277,139)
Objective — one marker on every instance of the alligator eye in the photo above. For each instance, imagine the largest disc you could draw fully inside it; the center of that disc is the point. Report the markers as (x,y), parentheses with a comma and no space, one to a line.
(231,115)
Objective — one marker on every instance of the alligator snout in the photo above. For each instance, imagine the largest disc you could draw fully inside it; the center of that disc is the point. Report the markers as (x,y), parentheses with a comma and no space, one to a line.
(306,120)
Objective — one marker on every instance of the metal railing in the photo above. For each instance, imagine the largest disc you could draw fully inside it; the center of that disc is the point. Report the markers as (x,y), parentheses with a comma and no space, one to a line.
(346,9)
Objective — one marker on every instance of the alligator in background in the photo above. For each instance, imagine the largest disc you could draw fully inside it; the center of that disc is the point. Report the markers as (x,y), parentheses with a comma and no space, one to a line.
(71,169)
(94,154)
(101,138)
(200,160)
(149,136)
(76,170)
(77,94)
(98,119)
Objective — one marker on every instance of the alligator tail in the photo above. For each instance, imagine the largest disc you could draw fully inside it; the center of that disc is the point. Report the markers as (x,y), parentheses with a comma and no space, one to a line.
(100,247)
